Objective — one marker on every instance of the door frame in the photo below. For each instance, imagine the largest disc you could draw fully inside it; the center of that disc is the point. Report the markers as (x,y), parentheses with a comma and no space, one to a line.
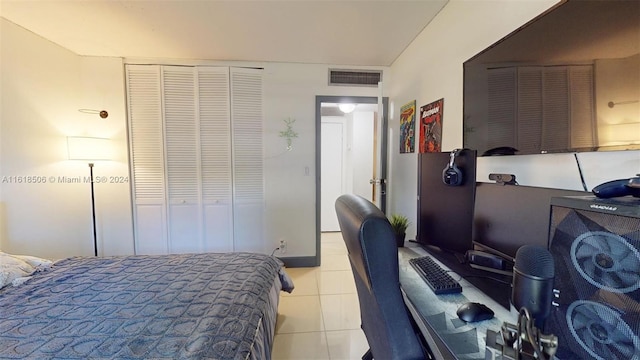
(383,161)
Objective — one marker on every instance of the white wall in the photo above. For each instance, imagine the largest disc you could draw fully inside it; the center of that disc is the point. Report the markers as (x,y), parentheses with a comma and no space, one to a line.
(44,85)
(290,91)
(431,68)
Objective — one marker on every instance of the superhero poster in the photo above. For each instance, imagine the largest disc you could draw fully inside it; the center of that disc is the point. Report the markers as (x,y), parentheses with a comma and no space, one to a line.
(431,126)
(407,127)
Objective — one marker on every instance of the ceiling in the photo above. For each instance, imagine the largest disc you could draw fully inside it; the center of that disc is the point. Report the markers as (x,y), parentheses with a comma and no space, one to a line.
(368,33)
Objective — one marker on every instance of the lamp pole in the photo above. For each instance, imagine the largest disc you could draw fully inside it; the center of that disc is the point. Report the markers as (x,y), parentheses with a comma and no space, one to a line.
(93,213)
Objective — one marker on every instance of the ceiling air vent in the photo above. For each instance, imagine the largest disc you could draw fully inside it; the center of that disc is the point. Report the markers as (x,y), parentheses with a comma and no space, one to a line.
(355,77)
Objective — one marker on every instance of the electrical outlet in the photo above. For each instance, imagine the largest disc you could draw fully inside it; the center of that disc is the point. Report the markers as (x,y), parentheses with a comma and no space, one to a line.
(283,246)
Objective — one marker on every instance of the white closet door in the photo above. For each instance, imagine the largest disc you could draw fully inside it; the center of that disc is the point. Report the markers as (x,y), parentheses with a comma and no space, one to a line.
(248,187)
(215,147)
(196,150)
(182,159)
(147,158)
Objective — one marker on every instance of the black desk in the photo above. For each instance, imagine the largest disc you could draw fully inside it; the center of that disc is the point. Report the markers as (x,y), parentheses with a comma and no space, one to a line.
(447,336)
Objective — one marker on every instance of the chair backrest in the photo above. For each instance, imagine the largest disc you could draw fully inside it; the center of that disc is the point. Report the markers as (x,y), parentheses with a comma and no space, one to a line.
(373,255)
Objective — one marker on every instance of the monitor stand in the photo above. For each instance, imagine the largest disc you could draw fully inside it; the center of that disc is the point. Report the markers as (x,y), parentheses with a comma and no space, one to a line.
(445,212)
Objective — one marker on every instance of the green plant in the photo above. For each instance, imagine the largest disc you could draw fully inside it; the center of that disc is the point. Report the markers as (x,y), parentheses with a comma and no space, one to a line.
(399,223)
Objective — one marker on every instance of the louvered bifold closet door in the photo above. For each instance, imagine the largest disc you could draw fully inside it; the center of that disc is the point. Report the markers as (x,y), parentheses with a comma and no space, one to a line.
(147,158)
(248,188)
(182,159)
(501,124)
(215,147)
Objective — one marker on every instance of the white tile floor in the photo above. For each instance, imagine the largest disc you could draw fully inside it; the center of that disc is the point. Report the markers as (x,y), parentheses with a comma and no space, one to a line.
(321,318)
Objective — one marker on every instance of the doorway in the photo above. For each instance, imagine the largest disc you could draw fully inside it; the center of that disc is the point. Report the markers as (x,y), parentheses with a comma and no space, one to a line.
(348,155)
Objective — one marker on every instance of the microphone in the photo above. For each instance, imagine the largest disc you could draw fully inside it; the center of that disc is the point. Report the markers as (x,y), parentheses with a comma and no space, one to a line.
(533,274)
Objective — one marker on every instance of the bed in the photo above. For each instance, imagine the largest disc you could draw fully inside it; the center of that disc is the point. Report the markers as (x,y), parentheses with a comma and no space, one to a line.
(191,306)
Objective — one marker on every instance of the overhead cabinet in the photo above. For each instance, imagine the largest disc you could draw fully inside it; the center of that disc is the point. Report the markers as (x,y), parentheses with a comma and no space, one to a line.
(196,158)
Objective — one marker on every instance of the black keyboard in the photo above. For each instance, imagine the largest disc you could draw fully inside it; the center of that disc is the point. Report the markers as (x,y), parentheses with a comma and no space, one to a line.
(436,277)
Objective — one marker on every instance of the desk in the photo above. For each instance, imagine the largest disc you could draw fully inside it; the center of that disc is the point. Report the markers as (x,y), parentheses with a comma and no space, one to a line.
(447,336)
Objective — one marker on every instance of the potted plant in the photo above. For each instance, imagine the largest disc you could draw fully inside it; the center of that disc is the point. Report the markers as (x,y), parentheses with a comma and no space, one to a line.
(399,224)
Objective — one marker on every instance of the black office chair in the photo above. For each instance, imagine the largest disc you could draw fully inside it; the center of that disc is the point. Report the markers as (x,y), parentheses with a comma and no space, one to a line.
(373,254)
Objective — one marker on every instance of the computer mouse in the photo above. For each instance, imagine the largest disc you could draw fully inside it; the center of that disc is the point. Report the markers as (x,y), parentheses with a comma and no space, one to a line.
(473,311)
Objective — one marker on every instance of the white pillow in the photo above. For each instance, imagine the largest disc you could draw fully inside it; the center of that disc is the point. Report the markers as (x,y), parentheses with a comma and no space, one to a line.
(12,268)
(39,264)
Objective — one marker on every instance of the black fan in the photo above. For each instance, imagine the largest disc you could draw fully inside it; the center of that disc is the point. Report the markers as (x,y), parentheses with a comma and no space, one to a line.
(601,331)
(607,261)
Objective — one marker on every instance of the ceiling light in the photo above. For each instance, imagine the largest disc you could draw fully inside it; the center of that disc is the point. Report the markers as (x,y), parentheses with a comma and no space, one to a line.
(346,108)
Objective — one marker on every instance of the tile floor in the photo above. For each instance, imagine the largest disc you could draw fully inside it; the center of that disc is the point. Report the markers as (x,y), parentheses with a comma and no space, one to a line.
(321,318)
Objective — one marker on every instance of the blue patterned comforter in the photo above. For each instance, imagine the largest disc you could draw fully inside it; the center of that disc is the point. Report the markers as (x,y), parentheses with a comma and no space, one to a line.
(195,306)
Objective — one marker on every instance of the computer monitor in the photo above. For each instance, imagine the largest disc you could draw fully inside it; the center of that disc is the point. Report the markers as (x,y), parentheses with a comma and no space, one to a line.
(509,216)
(445,212)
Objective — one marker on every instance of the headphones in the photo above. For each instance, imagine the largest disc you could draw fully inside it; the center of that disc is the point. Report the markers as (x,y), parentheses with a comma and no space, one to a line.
(452,175)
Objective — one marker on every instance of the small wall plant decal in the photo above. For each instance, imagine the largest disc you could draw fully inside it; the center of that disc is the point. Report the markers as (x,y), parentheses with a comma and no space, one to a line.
(289,134)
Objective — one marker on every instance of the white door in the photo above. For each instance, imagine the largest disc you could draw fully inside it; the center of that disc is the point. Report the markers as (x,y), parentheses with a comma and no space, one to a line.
(215,154)
(144,89)
(248,178)
(332,134)
(362,155)
(181,159)
(378,180)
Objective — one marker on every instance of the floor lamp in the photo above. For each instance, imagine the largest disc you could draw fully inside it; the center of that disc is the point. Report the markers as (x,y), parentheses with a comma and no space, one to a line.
(90,149)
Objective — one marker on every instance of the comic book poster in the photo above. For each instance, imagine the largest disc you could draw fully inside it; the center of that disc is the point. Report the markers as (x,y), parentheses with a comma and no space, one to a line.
(431,126)
(407,127)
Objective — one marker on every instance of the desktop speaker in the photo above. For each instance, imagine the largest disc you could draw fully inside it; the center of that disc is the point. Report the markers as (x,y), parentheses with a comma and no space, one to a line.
(595,244)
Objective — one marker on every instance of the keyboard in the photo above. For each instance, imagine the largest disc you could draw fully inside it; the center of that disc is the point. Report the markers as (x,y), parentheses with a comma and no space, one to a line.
(435,276)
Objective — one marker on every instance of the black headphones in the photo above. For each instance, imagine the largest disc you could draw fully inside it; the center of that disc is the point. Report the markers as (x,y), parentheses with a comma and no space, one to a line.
(452,175)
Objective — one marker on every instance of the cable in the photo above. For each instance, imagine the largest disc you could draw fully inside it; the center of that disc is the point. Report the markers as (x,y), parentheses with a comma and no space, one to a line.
(274,250)
(584,184)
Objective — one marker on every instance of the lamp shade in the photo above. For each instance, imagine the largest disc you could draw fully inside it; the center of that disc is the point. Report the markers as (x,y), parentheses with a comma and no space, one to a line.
(88,148)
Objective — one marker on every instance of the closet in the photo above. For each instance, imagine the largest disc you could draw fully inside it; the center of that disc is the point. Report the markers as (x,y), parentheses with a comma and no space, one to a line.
(195,151)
